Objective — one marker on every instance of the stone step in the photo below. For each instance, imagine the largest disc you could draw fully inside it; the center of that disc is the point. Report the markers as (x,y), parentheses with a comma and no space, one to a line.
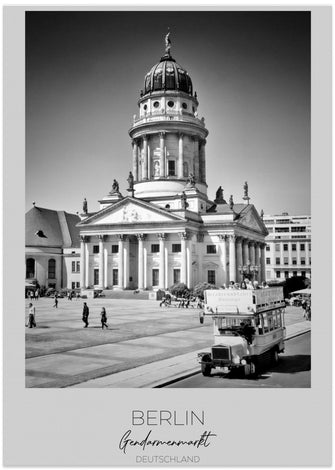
(126,294)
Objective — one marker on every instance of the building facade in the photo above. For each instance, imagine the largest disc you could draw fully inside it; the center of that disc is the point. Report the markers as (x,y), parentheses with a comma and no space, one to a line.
(166,230)
(288,246)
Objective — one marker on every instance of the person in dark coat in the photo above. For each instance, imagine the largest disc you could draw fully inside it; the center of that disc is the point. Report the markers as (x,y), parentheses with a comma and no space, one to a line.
(86,312)
(103,318)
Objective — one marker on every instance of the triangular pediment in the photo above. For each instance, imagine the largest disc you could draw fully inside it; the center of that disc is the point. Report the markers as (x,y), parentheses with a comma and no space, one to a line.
(251,219)
(131,211)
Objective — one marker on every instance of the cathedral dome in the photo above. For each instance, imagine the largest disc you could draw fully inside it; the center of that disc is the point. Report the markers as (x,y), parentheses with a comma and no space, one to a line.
(167,75)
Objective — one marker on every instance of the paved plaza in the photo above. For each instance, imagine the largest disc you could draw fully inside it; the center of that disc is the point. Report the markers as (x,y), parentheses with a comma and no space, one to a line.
(61,353)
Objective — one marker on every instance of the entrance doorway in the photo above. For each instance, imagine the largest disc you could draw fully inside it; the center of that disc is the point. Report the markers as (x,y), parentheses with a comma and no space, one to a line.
(96,277)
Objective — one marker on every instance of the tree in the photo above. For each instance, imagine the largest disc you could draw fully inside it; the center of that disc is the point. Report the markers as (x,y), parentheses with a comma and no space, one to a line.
(180,290)
(201,287)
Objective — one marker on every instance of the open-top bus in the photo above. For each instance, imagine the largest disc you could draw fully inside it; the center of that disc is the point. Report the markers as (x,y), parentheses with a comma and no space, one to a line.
(249,328)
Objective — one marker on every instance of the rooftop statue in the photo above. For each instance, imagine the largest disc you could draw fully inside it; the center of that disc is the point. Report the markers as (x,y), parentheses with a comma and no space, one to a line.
(167,43)
(115,187)
(231,202)
(184,203)
(245,187)
(130,180)
(85,206)
(191,180)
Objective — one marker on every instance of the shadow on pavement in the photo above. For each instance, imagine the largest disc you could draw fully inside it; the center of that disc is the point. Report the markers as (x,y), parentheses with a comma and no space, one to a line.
(292,364)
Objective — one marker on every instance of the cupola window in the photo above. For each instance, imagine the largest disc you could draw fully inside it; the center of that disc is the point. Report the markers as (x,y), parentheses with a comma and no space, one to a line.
(170,104)
(156,104)
(184,105)
(145,107)
(171,168)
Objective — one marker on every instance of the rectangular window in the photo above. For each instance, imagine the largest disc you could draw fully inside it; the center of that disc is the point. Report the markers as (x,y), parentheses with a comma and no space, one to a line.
(282,229)
(73,285)
(268,261)
(115,277)
(298,229)
(277,260)
(155,277)
(115,248)
(285,247)
(294,247)
(171,168)
(78,285)
(302,261)
(277,246)
(277,274)
(95,249)
(211,276)
(286,274)
(295,273)
(303,273)
(176,247)
(78,266)
(285,260)
(309,246)
(96,277)
(176,276)
(155,248)
(211,249)
(267,248)
(73,266)
(294,261)
(302,246)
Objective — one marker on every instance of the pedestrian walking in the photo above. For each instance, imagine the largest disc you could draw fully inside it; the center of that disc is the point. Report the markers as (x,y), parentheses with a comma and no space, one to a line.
(86,313)
(31,316)
(37,294)
(56,302)
(103,318)
(32,295)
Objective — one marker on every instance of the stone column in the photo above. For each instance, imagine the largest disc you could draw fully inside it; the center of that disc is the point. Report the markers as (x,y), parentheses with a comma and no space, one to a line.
(307,254)
(223,249)
(246,258)
(140,238)
(101,261)
(262,271)
(189,265)
(161,237)
(252,253)
(200,251)
(145,265)
(232,258)
(106,267)
(82,261)
(145,158)
(166,254)
(257,260)
(162,154)
(135,159)
(239,258)
(183,272)
(202,157)
(298,255)
(181,156)
(126,263)
(120,266)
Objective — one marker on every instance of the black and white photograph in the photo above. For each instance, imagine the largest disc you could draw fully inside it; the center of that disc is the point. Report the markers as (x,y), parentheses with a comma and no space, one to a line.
(167,194)
(162,167)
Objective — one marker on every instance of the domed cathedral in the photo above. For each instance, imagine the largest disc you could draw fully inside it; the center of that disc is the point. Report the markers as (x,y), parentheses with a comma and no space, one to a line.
(166,230)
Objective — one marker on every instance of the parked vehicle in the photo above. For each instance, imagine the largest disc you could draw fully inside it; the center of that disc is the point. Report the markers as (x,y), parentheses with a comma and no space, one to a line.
(249,329)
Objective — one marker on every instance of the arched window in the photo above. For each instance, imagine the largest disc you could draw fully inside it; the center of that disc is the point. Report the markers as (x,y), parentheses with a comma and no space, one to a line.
(30,268)
(185,169)
(52,269)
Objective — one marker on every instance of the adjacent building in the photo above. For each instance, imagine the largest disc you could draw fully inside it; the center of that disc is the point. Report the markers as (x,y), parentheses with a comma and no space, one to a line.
(288,246)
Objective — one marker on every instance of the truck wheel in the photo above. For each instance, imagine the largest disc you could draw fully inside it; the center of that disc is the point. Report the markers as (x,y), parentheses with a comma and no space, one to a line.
(253,369)
(247,370)
(201,318)
(206,369)
(275,356)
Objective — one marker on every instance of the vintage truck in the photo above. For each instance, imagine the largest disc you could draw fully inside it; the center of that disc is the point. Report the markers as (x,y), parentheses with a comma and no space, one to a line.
(249,329)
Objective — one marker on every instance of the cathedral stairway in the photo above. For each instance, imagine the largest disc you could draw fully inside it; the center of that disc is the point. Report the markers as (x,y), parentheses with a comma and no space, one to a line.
(126,294)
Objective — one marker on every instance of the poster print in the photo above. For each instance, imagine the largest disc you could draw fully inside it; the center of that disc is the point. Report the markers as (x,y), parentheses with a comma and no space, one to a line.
(186,264)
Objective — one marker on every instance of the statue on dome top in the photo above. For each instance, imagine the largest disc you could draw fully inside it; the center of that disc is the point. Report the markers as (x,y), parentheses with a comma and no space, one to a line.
(85,206)
(167,43)
(246,195)
(115,187)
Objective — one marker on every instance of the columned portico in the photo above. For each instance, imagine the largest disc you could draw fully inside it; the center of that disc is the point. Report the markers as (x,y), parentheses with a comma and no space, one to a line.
(252,253)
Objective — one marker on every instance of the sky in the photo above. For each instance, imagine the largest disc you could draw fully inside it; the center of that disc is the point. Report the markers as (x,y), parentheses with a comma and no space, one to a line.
(251,72)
